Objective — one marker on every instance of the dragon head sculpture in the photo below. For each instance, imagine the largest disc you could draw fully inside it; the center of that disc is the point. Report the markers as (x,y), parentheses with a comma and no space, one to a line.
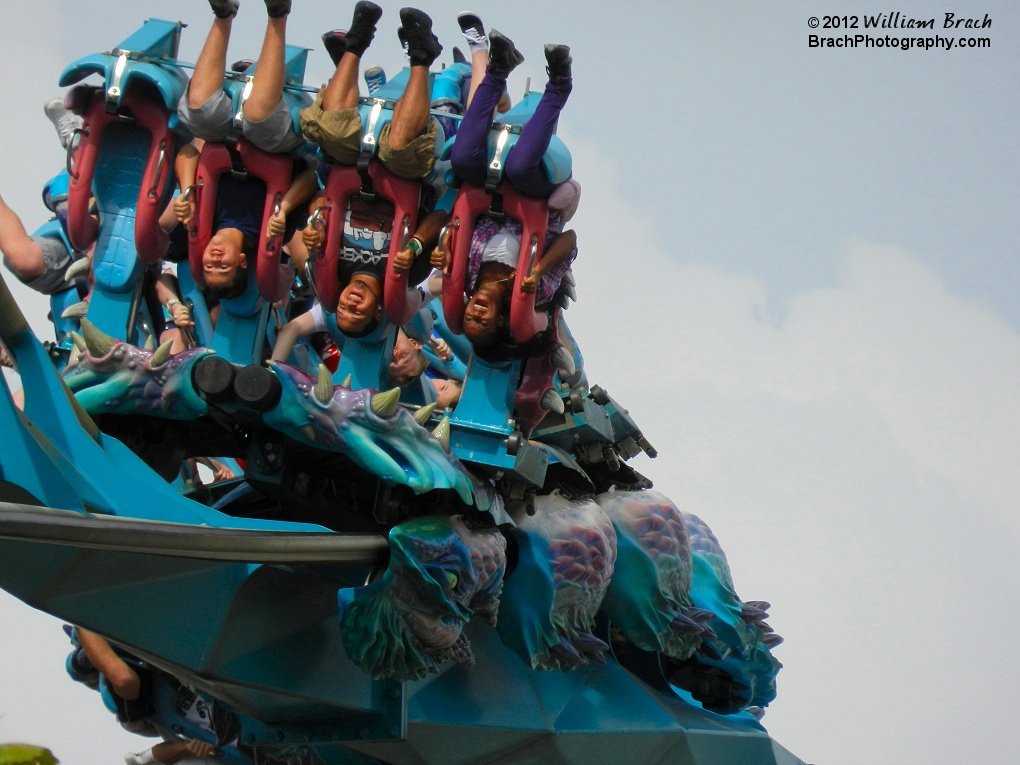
(372,429)
(411,619)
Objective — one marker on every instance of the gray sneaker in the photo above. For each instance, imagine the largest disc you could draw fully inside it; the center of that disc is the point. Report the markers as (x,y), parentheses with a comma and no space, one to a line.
(224,9)
(63,120)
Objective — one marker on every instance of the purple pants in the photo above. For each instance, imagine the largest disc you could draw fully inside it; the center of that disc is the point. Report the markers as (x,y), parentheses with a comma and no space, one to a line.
(470,153)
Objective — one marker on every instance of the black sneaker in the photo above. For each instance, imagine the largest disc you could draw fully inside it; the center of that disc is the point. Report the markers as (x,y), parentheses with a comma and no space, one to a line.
(243,65)
(277,8)
(359,36)
(423,47)
(402,36)
(458,56)
(558,60)
(224,9)
(335,42)
(503,56)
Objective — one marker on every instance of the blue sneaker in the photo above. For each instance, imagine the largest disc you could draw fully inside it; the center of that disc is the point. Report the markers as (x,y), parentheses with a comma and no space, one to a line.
(375,78)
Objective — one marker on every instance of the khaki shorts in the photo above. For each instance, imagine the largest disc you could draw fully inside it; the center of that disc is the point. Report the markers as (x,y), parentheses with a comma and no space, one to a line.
(338,134)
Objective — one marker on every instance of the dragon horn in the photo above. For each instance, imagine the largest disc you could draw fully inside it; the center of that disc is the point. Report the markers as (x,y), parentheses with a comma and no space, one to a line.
(422,415)
(76,269)
(563,360)
(385,404)
(79,341)
(324,387)
(76,311)
(346,383)
(98,342)
(162,354)
(442,432)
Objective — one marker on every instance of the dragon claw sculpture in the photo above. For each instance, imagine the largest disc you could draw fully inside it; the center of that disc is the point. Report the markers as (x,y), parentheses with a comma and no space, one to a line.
(650,598)
(566,560)
(658,575)
(411,619)
(735,667)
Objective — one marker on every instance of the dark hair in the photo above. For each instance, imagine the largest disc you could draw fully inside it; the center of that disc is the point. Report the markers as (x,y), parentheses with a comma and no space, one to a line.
(230,291)
(368,330)
(503,347)
(236,287)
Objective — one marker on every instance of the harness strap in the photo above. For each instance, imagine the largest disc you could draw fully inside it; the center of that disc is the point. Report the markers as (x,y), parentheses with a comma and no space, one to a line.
(244,161)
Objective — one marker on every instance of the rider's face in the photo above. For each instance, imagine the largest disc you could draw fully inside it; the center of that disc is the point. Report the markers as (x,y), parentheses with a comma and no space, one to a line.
(358,307)
(221,260)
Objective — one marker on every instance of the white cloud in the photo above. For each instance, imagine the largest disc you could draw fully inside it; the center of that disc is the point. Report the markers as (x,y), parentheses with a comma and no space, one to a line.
(857,459)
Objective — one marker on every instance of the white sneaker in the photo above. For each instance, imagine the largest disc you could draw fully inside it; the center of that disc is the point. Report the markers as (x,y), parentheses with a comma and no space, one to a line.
(63,120)
(140,758)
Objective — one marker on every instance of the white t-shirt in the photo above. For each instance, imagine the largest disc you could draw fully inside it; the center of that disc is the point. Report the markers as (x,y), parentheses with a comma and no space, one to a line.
(504,248)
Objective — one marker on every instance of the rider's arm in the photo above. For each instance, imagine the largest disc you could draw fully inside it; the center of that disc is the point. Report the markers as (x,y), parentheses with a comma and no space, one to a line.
(426,235)
(300,191)
(301,326)
(560,248)
(168,294)
(186,167)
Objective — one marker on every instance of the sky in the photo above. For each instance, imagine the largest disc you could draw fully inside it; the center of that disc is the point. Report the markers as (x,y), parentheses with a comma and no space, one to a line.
(797,270)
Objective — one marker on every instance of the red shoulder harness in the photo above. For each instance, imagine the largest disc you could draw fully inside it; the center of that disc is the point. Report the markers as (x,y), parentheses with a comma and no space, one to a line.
(82,228)
(275,170)
(533,214)
(344,181)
